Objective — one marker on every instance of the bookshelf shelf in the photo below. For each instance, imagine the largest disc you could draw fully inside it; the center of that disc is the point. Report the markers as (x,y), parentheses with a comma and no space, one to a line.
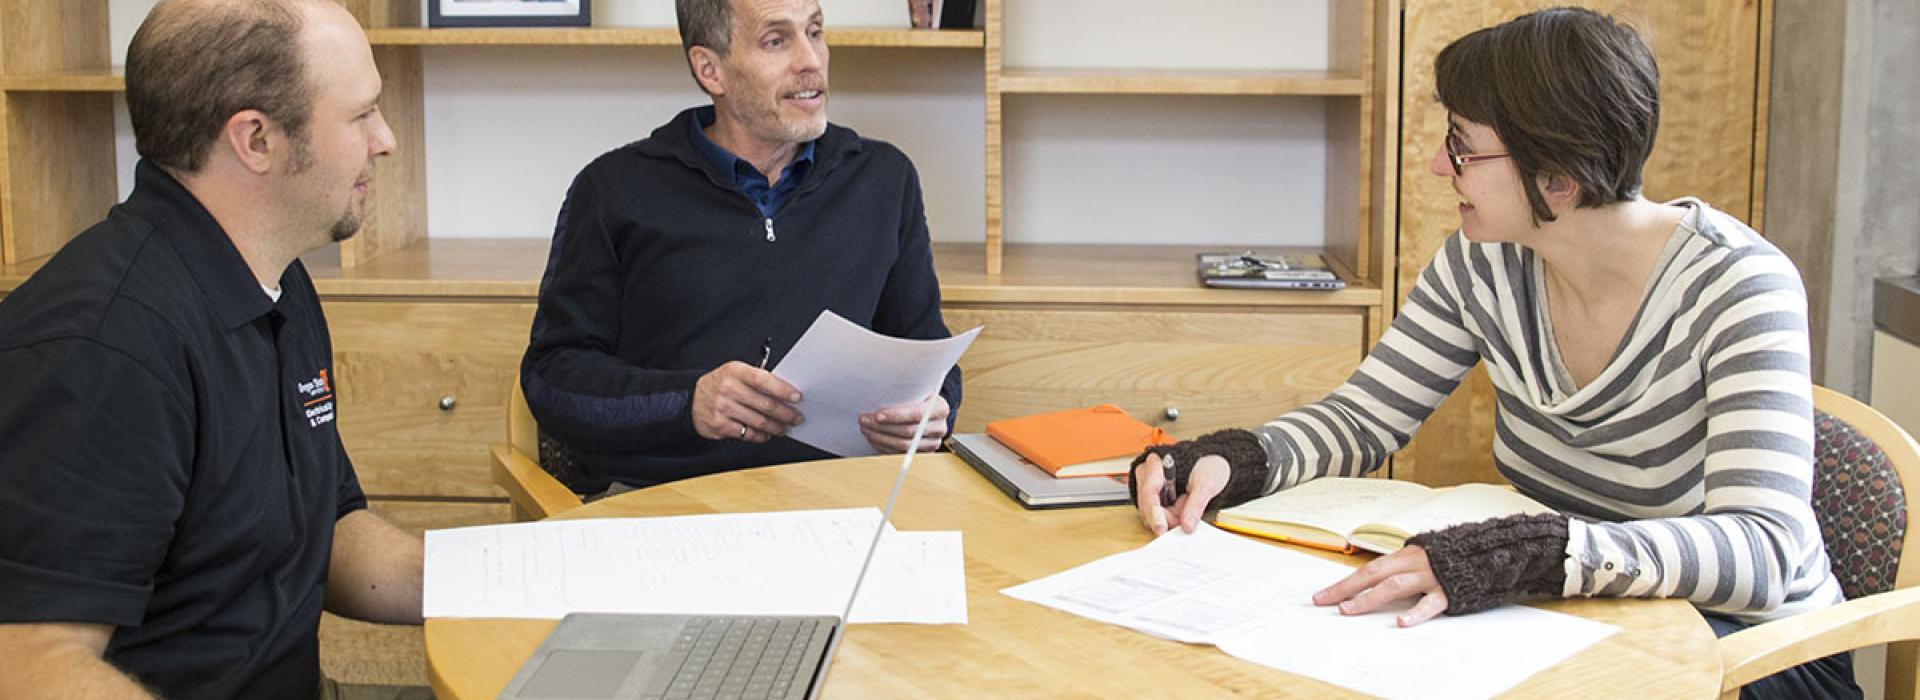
(1179,82)
(66,81)
(656,36)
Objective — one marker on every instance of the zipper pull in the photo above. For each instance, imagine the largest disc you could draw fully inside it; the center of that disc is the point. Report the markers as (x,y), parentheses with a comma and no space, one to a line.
(770,237)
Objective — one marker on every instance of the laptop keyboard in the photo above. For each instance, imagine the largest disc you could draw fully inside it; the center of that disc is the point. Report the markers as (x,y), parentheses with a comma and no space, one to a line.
(742,657)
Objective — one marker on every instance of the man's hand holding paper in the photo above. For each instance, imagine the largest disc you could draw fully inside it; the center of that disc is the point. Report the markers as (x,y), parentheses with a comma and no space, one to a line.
(864,391)
(889,430)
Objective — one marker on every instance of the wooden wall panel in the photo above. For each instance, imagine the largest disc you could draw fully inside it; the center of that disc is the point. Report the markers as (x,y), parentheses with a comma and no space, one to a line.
(398,215)
(59,170)
(1220,369)
(1804,142)
(1708,54)
(37,36)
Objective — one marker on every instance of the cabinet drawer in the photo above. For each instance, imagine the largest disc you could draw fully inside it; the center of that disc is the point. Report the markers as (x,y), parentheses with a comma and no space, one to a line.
(396,362)
(1217,368)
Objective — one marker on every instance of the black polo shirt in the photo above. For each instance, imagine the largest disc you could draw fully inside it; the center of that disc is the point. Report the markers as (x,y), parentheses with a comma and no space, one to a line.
(169,459)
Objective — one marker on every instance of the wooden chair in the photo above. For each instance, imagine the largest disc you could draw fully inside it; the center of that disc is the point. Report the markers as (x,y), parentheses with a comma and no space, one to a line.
(535,494)
(1861,461)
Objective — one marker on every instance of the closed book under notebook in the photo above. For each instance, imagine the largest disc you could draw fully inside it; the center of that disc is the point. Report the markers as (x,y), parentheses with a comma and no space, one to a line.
(1377,515)
(1094,441)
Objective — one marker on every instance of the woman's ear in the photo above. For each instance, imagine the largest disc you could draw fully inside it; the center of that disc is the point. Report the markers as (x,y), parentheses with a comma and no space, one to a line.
(1559,191)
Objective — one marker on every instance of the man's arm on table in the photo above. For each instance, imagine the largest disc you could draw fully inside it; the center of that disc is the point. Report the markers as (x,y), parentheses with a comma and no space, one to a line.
(376,571)
(61,659)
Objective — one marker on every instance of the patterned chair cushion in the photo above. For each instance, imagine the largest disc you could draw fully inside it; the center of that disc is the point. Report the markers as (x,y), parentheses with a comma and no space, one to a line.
(1862,509)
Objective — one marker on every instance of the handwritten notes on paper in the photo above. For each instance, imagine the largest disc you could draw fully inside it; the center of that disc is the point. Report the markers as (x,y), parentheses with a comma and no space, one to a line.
(1254,601)
(697,564)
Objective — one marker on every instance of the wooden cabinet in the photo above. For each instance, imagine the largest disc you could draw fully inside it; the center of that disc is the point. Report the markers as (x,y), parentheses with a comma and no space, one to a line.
(1712,57)
(1188,370)
(423,389)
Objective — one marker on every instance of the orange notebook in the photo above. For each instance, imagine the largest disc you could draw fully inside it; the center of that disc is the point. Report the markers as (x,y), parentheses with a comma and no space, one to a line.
(1096,441)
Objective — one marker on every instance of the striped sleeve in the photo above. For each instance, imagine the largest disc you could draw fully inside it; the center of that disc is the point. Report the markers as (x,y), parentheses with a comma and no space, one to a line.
(1416,364)
(1753,547)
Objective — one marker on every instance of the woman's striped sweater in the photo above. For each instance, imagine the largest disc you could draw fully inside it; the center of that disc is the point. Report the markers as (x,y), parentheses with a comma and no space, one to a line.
(1686,465)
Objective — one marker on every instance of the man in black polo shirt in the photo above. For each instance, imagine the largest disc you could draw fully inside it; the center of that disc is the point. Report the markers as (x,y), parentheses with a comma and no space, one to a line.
(177,505)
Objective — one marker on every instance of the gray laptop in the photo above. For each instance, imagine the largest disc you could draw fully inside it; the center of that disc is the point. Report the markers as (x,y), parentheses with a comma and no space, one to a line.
(1028,484)
(668,657)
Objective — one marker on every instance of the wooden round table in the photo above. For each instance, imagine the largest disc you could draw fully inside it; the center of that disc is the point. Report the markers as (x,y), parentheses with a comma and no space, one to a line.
(1012,648)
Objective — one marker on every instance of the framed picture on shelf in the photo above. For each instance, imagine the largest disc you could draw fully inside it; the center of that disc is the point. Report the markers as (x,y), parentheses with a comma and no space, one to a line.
(509,13)
(942,14)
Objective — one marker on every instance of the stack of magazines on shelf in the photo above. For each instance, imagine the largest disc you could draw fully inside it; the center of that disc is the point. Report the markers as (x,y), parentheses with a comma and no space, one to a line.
(1253,270)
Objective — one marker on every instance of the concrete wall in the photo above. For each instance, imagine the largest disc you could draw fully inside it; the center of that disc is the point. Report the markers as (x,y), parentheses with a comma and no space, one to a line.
(1877,217)
(1843,176)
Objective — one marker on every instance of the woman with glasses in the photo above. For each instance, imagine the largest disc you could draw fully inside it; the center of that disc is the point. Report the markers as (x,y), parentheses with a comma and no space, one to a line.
(1650,361)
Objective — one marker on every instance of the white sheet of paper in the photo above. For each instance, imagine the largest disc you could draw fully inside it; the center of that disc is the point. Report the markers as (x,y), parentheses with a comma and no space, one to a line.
(1254,601)
(696,564)
(843,370)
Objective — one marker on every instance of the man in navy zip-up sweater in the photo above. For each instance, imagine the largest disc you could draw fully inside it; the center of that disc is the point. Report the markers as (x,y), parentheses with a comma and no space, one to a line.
(686,262)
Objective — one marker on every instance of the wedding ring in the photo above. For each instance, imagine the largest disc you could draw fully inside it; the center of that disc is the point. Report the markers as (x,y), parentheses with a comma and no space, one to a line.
(743,431)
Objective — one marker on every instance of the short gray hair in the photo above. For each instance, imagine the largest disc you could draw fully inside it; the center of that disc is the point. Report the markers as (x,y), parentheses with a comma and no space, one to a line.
(706,23)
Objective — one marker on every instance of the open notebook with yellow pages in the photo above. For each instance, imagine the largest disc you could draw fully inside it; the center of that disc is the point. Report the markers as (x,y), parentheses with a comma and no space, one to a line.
(1377,515)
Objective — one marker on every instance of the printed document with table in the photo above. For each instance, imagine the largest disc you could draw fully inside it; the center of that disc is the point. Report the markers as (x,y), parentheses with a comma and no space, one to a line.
(1254,601)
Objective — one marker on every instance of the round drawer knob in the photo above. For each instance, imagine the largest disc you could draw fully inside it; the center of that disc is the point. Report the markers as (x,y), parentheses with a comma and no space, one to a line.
(1172,413)
(446,402)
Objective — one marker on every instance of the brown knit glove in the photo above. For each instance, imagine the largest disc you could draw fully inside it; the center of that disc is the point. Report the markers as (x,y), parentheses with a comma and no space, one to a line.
(1485,564)
(1245,456)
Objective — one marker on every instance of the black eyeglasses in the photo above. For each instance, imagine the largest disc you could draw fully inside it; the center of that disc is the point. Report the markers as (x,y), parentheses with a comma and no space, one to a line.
(1454,147)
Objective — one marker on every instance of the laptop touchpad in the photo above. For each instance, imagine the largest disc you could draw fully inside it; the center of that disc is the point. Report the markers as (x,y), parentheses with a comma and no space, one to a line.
(581,673)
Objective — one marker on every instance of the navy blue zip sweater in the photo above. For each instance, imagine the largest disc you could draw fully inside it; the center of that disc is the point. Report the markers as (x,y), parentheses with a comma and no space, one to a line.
(662,270)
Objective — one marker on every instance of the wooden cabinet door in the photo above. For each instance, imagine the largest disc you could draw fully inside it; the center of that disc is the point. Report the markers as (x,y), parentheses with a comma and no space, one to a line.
(1218,368)
(396,361)
(1711,112)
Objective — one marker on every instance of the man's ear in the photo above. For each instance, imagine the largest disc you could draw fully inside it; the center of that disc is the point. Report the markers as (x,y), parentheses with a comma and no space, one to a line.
(251,138)
(706,69)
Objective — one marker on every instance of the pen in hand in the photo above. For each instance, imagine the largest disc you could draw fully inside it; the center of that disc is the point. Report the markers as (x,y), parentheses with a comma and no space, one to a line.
(766,351)
(1167,495)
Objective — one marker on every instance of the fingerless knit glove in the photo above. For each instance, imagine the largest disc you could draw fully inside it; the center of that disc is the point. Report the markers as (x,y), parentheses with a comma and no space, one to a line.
(1486,564)
(1242,450)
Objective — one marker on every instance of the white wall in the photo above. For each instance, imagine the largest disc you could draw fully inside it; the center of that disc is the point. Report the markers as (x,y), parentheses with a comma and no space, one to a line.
(508,127)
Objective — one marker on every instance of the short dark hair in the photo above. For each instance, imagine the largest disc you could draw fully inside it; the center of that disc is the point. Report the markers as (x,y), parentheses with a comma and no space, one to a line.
(193,65)
(1570,91)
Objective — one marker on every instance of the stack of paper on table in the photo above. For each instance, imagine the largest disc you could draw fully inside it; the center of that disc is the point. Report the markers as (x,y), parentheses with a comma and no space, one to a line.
(697,564)
(1377,515)
(1254,601)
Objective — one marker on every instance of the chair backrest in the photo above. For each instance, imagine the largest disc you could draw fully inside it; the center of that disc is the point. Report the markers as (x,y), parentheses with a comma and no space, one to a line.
(1861,462)
(533,493)
(522,433)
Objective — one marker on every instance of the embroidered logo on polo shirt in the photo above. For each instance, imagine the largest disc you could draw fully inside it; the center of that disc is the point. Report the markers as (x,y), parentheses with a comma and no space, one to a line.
(318,400)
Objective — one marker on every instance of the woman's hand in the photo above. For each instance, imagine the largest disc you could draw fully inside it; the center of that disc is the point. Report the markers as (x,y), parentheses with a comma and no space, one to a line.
(1151,481)
(1402,574)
